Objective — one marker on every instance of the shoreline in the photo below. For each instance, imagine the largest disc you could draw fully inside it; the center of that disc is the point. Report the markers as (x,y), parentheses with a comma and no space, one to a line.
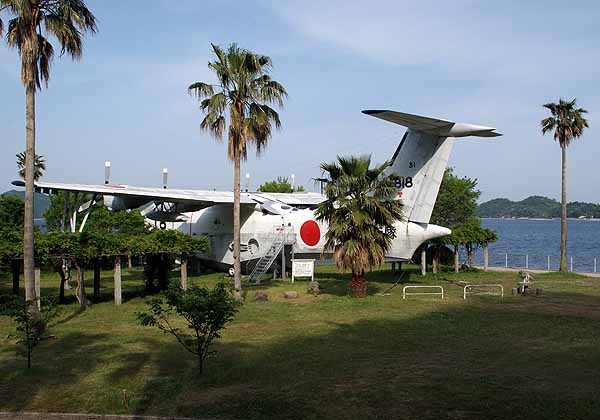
(540,219)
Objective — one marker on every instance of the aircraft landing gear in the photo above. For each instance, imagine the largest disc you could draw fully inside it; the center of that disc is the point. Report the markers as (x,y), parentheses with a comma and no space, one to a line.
(163,225)
(231,271)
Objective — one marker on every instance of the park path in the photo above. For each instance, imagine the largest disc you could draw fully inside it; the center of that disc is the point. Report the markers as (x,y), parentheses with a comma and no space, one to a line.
(78,416)
(516,270)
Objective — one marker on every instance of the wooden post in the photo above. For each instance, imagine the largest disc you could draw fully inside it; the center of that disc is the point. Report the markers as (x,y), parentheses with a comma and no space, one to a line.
(37,275)
(184,272)
(393,267)
(485,257)
(456,260)
(423,261)
(283,262)
(118,296)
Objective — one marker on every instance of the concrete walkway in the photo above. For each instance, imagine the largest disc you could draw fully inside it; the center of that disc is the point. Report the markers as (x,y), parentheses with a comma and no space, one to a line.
(516,270)
(77,416)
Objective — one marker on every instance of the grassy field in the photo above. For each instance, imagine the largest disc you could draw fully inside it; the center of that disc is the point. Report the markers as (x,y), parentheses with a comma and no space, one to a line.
(330,356)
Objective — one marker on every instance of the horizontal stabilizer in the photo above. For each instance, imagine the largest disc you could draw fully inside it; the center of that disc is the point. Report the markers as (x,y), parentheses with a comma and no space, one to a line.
(434,126)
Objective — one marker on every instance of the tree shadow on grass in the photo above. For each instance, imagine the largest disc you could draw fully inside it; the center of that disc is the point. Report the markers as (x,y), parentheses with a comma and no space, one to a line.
(451,363)
(55,363)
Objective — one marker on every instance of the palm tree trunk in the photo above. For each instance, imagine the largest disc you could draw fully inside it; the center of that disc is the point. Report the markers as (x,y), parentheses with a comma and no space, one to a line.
(237,275)
(563,215)
(358,284)
(28,245)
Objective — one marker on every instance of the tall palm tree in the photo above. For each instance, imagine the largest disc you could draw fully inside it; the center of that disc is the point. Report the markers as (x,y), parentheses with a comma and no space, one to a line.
(568,123)
(39,166)
(243,94)
(360,211)
(30,23)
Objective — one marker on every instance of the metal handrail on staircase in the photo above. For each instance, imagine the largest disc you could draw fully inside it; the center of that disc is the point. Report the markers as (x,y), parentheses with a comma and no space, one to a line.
(280,236)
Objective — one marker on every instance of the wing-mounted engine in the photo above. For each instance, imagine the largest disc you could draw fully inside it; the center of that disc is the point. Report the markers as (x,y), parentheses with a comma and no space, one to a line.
(114,203)
(169,212)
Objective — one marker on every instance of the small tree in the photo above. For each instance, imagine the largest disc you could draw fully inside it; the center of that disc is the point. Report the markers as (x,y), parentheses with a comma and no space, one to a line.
(160,248)
(30,328)
(455,206)
(280,185)
(205,311)
(471,235)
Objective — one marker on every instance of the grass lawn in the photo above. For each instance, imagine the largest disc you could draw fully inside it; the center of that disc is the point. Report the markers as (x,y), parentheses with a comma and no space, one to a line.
(330,356)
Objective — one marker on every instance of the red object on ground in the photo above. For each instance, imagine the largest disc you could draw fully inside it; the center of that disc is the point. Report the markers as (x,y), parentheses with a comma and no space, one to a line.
(310,233)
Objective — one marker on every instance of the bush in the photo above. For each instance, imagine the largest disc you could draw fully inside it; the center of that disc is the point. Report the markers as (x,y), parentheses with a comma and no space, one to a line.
(205,311)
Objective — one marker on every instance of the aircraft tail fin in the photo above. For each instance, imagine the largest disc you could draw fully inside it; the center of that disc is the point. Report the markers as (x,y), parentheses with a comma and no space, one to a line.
(422,156)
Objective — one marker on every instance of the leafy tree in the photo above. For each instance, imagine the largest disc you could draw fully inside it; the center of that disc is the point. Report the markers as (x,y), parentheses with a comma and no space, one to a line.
(11,212)
(205,311)
(280,185)
(243,94)
(39,166)
(456,201)
(11,252)
(30,328)
(455,206)
(470,235)
(568,123)
(361,215)
(28,28)
(160,248)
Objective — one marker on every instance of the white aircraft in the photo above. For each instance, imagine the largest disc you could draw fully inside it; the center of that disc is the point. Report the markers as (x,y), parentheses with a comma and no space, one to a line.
(275,222)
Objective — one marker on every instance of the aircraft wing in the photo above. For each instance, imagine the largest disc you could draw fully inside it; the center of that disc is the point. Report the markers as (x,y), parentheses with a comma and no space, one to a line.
(201,198)
(293,199)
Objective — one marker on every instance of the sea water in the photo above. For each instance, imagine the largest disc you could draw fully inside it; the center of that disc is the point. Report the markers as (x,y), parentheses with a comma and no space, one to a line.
(529,242)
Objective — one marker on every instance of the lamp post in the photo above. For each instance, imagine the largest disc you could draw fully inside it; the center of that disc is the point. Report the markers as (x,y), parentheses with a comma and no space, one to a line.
(106,172)
(293,181)
(247,181)
(165,177)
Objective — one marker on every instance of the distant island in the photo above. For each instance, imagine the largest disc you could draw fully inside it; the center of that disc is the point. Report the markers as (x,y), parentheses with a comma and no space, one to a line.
(536,206)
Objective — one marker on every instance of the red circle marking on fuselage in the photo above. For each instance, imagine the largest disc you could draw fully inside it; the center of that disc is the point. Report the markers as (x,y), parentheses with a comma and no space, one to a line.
(310,233)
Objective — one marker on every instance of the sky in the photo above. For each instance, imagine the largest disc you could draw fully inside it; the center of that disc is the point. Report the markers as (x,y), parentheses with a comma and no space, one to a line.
(486,63)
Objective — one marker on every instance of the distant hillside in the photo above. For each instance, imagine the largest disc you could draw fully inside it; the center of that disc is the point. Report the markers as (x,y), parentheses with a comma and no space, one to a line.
(40,205)
(535,206)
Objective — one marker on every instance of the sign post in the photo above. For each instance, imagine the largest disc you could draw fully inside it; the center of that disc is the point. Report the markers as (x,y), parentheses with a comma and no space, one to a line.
(303,268)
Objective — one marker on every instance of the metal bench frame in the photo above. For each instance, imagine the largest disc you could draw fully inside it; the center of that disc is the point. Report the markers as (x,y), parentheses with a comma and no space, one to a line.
(483,285)
(422,293)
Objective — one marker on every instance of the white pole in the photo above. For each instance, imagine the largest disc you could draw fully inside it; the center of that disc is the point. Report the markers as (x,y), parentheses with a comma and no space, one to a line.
(247,181)
(594,264)
(165,177)
(548,262)
(106,172)
(506,260)
(293,181)
(527,261)
(571,263)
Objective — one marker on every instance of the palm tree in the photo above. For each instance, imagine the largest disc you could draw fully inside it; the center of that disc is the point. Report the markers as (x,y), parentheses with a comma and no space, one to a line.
(243,95)
(39,166)
(360,213)
(568,124)
(31,21)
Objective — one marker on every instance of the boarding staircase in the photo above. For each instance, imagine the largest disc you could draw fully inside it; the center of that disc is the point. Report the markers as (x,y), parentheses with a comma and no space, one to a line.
(280,237)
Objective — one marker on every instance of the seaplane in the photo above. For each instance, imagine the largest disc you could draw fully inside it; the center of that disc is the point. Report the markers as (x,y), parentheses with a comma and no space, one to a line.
(280,224)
